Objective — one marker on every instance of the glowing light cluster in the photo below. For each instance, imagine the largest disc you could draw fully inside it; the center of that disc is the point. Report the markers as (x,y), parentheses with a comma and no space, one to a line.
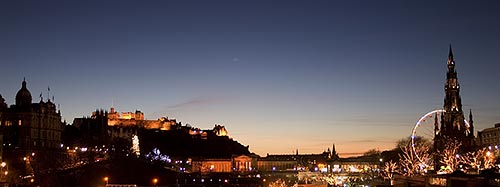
(135,145)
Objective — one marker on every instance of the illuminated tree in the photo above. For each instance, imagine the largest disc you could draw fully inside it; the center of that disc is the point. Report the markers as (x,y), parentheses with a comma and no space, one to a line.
(489,159)
(449,156)
(278,183)
(480,159)
(330,179)
(410,163)
(389,169)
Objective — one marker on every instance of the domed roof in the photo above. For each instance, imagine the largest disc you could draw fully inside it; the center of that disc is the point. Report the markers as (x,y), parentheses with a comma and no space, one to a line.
(23,96)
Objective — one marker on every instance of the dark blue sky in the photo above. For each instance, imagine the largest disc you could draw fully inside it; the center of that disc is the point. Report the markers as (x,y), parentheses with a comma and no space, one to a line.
(300,74)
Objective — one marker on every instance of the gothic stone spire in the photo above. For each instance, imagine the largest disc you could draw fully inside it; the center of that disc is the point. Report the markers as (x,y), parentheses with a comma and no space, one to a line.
(453,117)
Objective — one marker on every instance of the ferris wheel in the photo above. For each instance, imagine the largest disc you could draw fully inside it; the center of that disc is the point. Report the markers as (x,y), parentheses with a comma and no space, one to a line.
(425,130)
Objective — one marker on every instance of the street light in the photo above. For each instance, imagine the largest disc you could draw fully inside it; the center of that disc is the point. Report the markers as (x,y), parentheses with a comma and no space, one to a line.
(4,170)
(155,180)
(106,179)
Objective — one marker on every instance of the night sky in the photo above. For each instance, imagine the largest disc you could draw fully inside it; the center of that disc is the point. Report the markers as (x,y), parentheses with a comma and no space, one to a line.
(280,75)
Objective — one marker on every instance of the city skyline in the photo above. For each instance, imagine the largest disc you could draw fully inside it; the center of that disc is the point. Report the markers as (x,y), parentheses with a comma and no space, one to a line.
(300,75)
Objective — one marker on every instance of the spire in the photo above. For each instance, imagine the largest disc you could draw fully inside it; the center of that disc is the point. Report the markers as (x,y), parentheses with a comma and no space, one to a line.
(452,87)
(453,121)
(334,153)
(451,62)
(471,124)
(450,54)
(24,83)
(470,115)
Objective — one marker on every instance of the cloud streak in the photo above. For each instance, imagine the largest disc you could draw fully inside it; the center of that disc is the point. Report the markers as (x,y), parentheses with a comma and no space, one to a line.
(190,104)
(377,140)
(193,102)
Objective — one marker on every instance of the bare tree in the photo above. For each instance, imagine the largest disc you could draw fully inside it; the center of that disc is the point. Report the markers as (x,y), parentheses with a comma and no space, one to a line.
(489,159)
(388,171)
(473,159)
(480,159)
(330,179)
(449,156)
(410,163)
(278,183)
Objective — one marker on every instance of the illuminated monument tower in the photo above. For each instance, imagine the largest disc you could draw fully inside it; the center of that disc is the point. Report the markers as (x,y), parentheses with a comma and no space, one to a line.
(453,125)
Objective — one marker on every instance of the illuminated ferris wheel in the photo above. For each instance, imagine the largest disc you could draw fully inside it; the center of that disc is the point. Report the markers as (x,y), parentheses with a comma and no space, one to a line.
(425,130)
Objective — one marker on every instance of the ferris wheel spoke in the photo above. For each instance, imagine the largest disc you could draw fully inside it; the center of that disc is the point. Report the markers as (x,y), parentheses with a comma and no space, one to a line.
(425,129)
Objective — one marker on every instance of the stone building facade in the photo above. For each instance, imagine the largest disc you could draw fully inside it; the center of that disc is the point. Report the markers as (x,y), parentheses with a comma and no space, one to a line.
(28,126)
(288,163)
(136,119)
(489,137)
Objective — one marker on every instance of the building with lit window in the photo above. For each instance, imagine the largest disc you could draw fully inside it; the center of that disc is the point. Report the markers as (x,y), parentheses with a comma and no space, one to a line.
(489,136)
(28,126)
(326,162)
(212,165)
(136,119)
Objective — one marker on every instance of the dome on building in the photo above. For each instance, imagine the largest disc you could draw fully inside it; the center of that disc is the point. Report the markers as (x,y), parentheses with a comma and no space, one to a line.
(23,96)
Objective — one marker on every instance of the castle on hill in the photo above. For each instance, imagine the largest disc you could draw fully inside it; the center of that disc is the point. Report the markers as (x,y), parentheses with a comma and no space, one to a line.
(112,124)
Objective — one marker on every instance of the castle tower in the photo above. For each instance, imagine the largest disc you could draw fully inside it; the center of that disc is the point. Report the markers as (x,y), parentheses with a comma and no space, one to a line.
(453,125)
